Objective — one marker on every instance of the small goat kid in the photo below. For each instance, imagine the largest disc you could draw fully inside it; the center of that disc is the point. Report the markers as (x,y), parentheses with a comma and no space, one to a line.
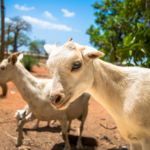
(36,93)
(21,114)
(123,91)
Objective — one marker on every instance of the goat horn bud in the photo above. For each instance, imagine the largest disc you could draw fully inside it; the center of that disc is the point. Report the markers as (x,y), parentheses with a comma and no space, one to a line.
(70,39)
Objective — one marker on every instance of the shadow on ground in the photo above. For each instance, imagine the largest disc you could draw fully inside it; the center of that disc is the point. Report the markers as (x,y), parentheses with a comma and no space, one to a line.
(88,143)
(61,146)
(44,129)
(116,149)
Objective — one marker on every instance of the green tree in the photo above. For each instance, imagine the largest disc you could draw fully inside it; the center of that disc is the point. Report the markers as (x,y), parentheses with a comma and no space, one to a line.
(17,26)
(37,46)
(117,23)
(22,39)
(107,34)
(136,44)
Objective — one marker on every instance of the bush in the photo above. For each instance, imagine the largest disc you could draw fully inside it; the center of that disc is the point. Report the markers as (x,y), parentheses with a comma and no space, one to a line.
(29,61)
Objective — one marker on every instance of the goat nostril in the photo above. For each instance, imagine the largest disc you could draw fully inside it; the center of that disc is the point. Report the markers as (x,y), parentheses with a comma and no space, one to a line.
(57,99)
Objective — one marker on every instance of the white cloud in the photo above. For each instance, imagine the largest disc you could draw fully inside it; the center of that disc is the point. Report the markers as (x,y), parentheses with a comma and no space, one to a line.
(67,13)
(45,24)
(23,7)
(49,15)
(7,20)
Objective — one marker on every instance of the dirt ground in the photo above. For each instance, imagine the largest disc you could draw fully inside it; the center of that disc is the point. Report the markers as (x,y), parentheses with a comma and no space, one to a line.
(95,137)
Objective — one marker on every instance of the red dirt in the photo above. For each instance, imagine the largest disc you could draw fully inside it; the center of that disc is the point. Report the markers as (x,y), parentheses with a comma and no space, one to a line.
(49,138)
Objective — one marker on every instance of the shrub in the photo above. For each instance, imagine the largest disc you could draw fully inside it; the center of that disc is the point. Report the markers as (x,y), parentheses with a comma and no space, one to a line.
(29,61)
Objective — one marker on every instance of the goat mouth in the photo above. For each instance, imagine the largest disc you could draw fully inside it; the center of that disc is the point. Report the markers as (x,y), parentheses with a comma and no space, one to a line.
(63,103)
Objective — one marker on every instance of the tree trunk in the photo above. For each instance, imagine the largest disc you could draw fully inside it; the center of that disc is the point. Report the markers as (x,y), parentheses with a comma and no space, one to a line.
(15,42)
(115,55)
(7,41)
(2,29)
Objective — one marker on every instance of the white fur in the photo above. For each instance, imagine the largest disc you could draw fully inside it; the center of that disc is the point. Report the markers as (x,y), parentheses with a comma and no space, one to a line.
(20,57)
(49,47)
(123,91)
(36,93)
(21,114)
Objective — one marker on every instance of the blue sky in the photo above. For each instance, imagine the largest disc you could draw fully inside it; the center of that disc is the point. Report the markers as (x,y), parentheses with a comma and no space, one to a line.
(54,21)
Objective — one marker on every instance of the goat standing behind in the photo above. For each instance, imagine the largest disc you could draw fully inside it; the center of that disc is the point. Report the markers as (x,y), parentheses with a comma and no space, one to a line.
(21,114)
(36,93)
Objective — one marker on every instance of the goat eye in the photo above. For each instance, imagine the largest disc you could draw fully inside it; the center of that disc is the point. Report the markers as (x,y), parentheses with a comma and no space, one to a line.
(76,66)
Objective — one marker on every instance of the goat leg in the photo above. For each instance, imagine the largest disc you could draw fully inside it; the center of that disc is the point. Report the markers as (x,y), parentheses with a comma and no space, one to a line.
(36,125)
(82,119)
(65,134)
(28,118)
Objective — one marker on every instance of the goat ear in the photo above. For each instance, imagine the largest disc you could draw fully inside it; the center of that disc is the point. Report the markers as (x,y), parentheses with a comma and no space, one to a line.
(13,59)
(90,53)
(24,114)
(48,48)
(55,44)
(20,57)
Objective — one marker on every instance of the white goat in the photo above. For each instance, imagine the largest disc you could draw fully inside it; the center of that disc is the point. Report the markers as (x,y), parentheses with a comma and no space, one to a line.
(123,91)
(21,114)
(36,93)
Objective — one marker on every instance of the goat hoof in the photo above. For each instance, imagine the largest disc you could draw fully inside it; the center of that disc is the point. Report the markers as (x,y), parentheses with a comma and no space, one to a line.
(60,133)
(67,148)
(18,143)
(79,146)
(52,122)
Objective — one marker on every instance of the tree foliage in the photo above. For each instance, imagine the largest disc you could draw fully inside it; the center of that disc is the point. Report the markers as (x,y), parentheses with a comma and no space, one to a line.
(122,30)
(37,46)
(136,45)
(18,27)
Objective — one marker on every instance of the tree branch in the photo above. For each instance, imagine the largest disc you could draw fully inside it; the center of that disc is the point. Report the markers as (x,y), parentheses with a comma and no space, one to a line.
(20,45)
(106,127)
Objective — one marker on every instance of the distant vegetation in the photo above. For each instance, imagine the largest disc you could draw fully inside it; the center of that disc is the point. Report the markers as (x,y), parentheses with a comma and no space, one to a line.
(16,36)
(29,61)
(121,31)
(17,30)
